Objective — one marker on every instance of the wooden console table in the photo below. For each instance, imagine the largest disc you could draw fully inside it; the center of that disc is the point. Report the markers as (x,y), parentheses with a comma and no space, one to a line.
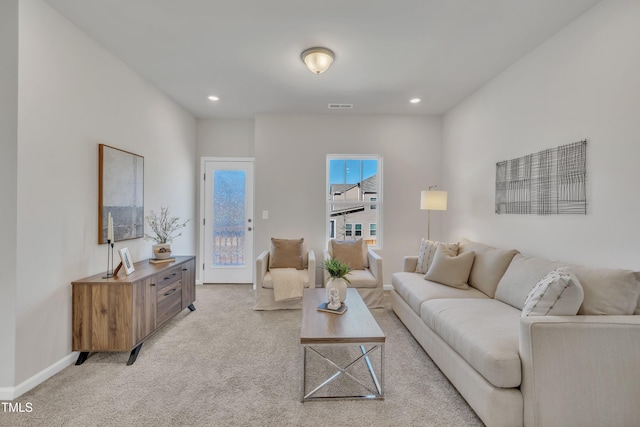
(119,313)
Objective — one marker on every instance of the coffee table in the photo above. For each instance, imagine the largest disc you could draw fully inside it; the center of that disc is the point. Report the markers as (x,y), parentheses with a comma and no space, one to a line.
(356,327)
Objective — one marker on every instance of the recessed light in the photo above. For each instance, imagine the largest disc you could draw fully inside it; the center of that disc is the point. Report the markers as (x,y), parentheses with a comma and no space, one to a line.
(213,98)
(415,100)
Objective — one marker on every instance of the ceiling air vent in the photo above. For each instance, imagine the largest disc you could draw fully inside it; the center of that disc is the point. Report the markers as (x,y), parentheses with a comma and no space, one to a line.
(340,106)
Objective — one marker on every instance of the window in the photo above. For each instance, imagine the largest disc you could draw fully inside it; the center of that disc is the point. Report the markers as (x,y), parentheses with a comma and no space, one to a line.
(354,202)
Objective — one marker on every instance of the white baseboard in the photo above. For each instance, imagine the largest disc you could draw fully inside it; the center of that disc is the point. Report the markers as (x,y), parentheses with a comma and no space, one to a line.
(11,393)
(387,287)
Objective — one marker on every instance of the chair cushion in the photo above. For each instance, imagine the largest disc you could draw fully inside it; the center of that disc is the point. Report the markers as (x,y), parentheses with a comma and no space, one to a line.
(267,280)
(286,253)
(488,266)
(485,332)
(428,250)
(449,268)
(349,252)
(559,293)
(361,279)
(414,290)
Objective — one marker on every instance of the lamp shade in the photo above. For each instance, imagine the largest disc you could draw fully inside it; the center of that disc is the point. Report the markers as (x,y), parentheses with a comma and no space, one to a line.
(433,200)
(317,59)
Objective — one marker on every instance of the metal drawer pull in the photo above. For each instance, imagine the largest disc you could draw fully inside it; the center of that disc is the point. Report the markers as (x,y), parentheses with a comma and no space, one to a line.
(170,276)
(170,292)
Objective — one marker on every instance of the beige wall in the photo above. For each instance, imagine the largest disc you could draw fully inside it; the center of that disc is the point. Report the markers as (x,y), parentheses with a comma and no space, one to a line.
(8,186)
(290,152)
(73,95)
(225,137)
(582,83)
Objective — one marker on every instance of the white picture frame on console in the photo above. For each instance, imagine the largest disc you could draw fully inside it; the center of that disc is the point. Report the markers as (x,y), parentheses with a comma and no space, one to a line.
(127,262)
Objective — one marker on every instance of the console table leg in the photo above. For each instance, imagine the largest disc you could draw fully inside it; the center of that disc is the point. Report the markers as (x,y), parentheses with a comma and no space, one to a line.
(191,307)
(82,357)
(134,354)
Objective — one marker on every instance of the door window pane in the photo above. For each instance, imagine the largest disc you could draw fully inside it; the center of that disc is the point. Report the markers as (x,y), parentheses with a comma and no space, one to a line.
(229,187)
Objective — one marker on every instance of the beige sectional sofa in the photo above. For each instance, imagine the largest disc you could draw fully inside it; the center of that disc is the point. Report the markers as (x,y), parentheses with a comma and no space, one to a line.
(579,370)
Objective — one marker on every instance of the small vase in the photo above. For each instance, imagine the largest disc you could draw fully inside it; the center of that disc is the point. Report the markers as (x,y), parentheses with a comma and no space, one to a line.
(162,251)
(340,284)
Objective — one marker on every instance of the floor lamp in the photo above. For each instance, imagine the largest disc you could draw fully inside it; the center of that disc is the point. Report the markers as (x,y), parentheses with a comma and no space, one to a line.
(432,200)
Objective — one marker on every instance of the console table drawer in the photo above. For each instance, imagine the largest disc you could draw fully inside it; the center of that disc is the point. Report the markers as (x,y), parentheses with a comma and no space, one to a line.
(169,277)
(169,301)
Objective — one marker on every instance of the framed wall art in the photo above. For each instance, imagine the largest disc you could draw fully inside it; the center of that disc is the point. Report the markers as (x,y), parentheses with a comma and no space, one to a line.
(549,182)
(120,193)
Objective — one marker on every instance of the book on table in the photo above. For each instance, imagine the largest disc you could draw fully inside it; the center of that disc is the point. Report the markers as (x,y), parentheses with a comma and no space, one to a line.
(160,261)
(340,310)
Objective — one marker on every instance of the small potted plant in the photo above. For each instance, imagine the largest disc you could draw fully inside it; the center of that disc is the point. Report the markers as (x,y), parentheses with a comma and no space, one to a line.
(338,271)
(164,227)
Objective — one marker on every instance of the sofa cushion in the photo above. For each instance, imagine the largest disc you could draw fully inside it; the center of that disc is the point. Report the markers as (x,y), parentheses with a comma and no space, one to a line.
(267,280)
(606,291)
(449,268)
(521,276)
(559,293)
(347,248)
(427,251)
(488,266)
(414,290)
(286,253)
(485,332)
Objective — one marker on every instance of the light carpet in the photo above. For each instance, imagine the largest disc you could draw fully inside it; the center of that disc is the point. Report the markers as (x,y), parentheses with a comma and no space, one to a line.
(227,365)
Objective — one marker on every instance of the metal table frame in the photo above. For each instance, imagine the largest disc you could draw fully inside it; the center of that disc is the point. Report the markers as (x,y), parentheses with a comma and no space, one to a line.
(377,393)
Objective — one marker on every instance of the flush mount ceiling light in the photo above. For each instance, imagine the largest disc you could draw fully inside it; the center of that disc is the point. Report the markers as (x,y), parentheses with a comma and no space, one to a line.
(213,98)
(415,100)
(317,59)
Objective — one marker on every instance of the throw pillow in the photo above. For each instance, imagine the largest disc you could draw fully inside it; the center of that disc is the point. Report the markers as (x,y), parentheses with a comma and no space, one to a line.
(427,252)
(286,253)
(559,293)
(349,252)
(450,269)
(489,265)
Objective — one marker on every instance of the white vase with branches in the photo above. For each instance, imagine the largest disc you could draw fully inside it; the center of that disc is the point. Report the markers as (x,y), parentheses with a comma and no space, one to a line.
(164,228)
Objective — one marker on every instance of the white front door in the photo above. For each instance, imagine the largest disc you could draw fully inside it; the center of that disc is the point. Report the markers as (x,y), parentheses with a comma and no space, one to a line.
(228,221)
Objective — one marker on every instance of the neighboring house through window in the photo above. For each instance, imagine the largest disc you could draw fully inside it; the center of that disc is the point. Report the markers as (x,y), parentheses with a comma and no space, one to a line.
(348,230)
(354,203)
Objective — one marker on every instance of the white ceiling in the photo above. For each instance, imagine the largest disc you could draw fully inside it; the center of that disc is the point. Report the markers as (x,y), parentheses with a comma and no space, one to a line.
(247,52)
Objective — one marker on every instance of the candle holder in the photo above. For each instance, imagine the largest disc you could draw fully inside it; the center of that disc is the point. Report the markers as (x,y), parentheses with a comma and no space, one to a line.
(109,273)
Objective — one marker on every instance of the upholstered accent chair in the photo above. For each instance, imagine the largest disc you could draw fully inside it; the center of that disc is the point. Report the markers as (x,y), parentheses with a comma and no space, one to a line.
(281,271)
(366,268)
